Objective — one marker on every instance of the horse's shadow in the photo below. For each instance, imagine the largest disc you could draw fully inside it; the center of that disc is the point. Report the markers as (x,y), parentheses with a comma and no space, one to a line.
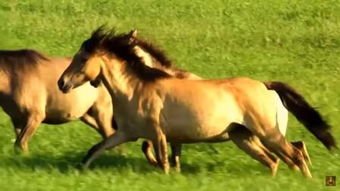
(70,162)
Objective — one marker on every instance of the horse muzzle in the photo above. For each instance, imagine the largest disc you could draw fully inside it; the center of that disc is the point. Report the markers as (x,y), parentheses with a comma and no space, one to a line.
(65,87)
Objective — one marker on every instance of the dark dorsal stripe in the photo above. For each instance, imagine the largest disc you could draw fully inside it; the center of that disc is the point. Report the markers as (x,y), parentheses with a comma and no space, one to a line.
(122,46)
(20,59)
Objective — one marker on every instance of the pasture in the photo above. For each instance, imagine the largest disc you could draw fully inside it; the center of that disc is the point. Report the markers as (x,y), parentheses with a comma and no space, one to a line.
(294,42)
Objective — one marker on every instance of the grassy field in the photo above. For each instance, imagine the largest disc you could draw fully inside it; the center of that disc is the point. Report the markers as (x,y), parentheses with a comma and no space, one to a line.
(297,42)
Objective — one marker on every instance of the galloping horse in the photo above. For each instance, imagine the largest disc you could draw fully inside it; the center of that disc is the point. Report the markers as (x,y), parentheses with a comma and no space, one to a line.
(53,108)
(30,96)
(151,104)
(154,57)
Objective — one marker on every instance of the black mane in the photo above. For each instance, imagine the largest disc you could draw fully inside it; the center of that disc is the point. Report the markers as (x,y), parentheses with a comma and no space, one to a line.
(122,46)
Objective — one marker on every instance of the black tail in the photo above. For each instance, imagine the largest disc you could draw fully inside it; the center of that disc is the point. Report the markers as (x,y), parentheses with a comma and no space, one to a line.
(305,113)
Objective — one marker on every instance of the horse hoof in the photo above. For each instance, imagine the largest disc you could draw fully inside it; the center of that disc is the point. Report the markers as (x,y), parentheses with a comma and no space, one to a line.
(166,169)
(81,167)
(20,151)
(177,169)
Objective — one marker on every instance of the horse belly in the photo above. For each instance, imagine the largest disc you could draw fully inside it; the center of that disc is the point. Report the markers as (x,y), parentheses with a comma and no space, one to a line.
(191,134)
(199,124)
(68,107)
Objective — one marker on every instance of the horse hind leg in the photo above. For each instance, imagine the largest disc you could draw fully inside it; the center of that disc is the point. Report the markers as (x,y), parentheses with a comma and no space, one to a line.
(302,147)
(276,143)
(33,121)
(282,121)
(251,145)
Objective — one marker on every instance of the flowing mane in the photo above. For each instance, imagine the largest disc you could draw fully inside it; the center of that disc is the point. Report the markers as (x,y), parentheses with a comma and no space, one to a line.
(155,52)
(161,60)
(122,46)
(20,59)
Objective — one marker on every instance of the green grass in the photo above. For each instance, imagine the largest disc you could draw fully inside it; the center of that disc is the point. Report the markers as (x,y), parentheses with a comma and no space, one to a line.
(297,42)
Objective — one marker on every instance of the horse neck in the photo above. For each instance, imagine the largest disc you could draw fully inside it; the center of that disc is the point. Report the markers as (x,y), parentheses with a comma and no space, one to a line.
(118,79)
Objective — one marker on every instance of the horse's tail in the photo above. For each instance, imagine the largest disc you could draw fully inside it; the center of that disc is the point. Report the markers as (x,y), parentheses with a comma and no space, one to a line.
(304,112)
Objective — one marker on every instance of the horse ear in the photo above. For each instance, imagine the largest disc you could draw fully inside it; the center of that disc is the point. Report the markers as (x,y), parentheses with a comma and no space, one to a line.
(133,33)
(96,82)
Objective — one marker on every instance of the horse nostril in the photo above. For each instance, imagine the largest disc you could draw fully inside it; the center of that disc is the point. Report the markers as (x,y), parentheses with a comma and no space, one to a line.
(61,83)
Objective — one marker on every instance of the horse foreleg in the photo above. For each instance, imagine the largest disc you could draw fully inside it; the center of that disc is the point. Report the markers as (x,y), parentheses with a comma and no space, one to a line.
(175,156)
(147,150)
(112,141)
(89,120)
(104,121)
(18,124)
(160,145)
(101,119)
(32,124)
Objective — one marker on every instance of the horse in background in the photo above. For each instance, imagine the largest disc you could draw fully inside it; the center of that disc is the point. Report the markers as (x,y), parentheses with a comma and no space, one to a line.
(30,96)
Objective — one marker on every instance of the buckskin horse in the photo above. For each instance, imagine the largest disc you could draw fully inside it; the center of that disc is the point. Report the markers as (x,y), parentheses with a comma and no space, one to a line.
(30,96)
(151,104)
(153,56)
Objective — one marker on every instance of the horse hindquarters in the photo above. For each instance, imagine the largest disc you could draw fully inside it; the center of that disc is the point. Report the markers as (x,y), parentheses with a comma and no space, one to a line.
(282,121)
(32,123)
(304,112)
(31,113)
(263,124)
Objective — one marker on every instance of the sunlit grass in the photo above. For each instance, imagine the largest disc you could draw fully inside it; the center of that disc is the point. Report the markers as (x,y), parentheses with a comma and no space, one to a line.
(294,42)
